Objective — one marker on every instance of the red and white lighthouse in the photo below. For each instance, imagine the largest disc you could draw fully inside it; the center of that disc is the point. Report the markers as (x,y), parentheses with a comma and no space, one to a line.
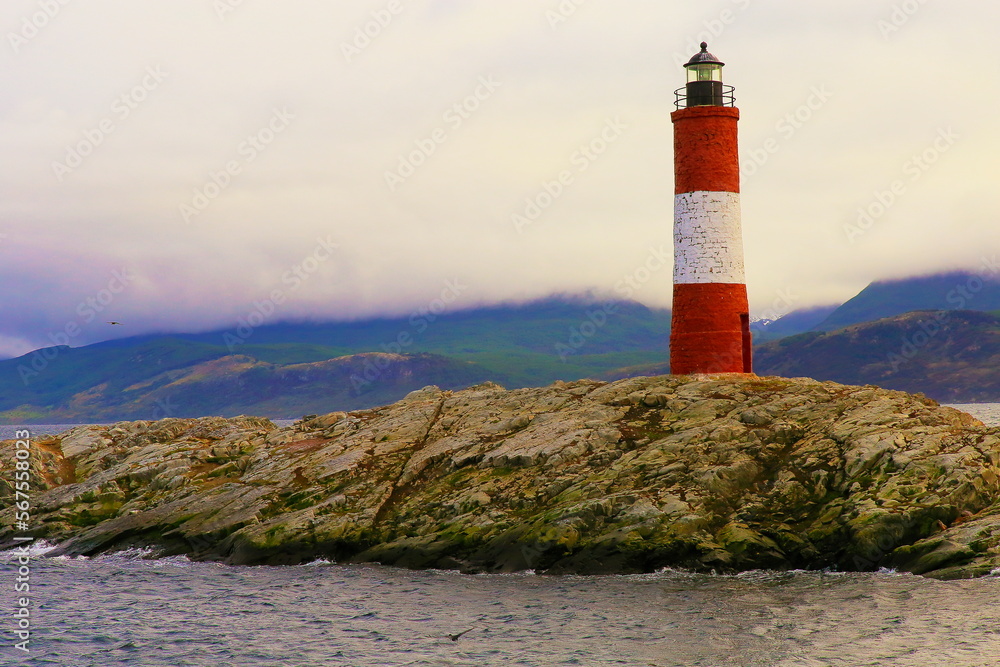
(710,332)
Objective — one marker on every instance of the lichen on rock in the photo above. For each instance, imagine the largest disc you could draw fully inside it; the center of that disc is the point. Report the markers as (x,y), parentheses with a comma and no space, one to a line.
(708,473)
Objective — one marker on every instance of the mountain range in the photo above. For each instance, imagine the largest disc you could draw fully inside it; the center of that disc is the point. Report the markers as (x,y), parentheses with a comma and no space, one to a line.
(951,356)
(288,369)
(930,334)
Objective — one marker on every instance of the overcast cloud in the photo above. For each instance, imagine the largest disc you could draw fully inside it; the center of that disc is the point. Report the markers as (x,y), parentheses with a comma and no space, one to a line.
(171,163)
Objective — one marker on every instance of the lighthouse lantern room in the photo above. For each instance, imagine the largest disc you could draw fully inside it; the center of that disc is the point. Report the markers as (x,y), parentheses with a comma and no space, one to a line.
(704,80)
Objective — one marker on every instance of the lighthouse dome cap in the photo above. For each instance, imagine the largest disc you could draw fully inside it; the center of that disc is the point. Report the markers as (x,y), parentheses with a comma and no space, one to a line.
(703,56)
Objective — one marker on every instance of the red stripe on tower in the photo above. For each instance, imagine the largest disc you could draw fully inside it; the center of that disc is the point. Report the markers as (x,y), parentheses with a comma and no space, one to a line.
(710,331)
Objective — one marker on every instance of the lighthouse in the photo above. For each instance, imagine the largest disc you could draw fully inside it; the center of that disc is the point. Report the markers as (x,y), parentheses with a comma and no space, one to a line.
(710,330)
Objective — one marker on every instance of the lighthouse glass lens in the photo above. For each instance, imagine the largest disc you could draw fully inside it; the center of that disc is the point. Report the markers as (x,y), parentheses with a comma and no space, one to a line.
(705,72)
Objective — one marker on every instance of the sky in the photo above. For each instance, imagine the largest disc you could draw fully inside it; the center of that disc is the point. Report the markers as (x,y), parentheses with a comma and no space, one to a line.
(179,165)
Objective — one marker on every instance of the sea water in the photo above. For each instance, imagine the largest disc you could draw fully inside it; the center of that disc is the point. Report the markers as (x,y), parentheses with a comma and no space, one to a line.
(125,609)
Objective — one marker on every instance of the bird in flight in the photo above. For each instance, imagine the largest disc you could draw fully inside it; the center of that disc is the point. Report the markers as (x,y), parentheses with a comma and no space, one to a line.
(116,323)
(455,636)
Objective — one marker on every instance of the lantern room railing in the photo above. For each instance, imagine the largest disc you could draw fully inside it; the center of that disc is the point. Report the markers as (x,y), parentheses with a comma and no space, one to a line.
(728,97)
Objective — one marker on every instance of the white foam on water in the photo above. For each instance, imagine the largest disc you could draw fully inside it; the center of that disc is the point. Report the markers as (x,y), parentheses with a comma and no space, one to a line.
(317,563)
(128,555)
(36,549)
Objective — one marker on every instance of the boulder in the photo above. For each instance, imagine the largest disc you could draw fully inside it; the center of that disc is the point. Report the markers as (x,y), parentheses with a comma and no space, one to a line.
(719,473)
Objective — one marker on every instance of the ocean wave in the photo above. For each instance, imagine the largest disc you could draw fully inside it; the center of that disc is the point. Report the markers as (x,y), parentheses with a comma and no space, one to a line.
(36,549)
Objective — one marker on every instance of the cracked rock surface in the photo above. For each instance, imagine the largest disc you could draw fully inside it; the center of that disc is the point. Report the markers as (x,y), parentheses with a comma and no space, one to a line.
(722,473)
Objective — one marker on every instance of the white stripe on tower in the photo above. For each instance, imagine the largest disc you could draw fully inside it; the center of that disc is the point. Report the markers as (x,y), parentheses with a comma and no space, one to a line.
(708,238)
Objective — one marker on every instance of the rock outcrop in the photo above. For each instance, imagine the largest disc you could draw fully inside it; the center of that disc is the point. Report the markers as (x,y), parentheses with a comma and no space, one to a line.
(708,473)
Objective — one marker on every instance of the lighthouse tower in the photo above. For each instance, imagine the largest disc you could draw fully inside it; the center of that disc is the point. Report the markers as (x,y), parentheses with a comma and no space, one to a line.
(710,332)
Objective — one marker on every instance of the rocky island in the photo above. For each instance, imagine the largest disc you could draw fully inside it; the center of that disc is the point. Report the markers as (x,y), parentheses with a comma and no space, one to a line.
(723,473)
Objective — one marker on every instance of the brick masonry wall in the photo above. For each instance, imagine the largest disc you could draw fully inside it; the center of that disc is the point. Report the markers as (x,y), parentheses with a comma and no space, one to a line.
(706,149)
(707,335)
(710,330)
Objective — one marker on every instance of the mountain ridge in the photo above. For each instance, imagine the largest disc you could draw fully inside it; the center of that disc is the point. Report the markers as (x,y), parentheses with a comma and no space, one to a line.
(527,345)
(951,290)
(520,345)
(950,355)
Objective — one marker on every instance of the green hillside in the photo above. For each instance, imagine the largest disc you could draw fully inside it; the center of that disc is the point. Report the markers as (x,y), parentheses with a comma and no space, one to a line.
(951,356)
(286,370)
(238,384)
(530,345)
(50,376)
